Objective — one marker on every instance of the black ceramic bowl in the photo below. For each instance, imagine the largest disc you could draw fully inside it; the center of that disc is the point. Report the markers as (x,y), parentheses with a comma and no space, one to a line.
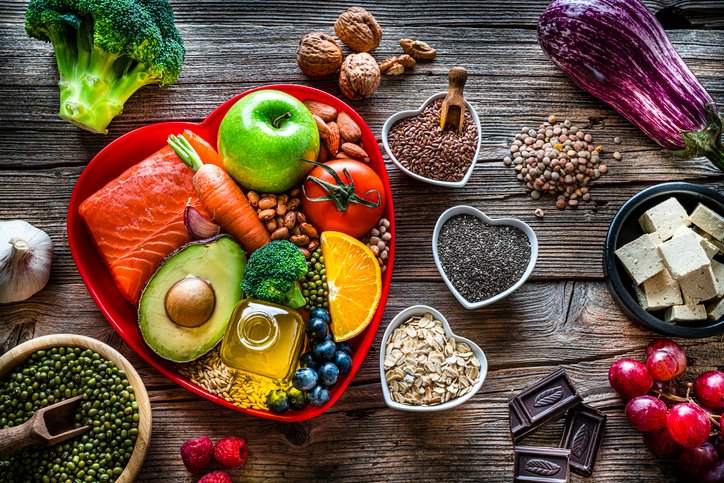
(625,228)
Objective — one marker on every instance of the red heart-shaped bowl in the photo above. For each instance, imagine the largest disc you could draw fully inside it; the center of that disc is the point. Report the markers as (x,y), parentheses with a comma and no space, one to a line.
(135,146)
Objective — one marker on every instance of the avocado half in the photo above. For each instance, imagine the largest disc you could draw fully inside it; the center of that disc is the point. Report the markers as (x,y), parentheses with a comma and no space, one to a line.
(185,307)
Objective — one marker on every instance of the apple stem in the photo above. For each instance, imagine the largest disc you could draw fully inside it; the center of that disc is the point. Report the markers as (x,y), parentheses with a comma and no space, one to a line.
(277,122)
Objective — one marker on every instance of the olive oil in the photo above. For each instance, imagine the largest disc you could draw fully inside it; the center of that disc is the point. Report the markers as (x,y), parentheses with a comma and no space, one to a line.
(263,338)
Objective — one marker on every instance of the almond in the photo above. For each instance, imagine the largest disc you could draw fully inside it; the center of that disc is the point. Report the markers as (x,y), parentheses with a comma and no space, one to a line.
(323,154)
(354,150)
(325,111)
(321,125)
(332,140)
(348,129)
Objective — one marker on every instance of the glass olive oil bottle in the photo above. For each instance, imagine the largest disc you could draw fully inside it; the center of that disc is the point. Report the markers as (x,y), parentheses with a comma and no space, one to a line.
(263,338)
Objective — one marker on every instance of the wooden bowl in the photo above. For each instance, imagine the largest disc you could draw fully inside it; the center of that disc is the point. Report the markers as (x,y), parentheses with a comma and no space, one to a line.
(20,354)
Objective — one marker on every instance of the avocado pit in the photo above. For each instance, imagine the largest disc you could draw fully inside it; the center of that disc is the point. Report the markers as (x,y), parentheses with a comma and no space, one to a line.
(190,301)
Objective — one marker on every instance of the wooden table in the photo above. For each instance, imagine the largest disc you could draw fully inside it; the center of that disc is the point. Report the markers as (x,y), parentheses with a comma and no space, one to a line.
(563,317)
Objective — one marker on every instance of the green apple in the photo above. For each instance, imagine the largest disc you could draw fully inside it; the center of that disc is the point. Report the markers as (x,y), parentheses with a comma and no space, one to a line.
(264,138)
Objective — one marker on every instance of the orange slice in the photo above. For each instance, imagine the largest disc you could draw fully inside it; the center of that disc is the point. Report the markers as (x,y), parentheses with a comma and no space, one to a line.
(355,283)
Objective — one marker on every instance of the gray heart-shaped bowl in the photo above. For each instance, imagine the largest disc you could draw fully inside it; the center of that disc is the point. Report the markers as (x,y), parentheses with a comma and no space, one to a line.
(469,210)
(402,115)
(419,311)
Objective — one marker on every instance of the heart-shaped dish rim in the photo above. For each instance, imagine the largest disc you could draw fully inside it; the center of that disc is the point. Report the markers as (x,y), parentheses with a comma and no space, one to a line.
(469,210)
(404,114)
(135,146)
(404,316)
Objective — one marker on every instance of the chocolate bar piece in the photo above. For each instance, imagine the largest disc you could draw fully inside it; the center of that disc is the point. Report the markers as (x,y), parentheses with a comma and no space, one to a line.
(541,402)
(582,435)
(541,465)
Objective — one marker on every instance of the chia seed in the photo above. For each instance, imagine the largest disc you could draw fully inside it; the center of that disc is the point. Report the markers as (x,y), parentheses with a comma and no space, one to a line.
(482,260)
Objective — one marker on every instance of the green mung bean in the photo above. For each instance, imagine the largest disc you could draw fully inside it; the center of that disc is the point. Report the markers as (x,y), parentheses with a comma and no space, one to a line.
(108,405)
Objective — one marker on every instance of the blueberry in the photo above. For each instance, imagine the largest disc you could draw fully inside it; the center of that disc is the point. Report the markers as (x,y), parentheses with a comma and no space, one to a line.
(297,399)
(345,347)
(317,328)
(307,360)
(318,396)
(304,379)
(324,351)
(328,374)
(321,313)
(277,401)
(343,362)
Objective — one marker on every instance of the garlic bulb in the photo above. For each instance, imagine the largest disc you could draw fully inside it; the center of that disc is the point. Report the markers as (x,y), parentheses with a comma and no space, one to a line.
(25,256)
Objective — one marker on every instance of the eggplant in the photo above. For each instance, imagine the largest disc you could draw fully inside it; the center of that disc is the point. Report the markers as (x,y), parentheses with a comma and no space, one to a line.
(618,51)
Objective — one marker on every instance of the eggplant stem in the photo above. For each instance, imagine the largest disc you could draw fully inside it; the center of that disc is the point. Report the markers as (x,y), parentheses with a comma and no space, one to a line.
(706,142)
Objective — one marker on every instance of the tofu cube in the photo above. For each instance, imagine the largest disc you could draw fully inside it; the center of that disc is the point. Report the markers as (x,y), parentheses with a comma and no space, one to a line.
(715,311)
(661,291)
(641,258)
(664,218)
(718,269)
(709,221)
(699,286)
(710,239)
(709,248)
(684,313)
(683,255)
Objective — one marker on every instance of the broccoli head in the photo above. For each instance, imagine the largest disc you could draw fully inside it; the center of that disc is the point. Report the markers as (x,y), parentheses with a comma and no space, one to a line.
(271,274)
(106,50)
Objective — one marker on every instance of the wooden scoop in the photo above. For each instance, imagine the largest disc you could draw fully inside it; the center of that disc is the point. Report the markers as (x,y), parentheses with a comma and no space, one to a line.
(50,425)
(453,107)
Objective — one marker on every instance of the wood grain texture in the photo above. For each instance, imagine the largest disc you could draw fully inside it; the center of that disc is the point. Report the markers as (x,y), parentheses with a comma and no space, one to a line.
(563,317)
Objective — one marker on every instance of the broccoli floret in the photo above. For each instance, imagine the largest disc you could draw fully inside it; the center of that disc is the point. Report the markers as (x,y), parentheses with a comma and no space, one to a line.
(106,50)
(272,272)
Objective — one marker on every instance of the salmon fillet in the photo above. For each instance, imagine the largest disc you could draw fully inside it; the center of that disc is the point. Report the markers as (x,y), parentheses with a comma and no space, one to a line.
(137,219)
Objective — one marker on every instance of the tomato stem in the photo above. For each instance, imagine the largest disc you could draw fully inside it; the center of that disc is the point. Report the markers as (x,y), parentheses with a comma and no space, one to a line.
(341,193)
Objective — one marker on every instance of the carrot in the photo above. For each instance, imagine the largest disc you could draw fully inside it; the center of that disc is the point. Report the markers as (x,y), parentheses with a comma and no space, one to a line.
(222,198)
(206,151)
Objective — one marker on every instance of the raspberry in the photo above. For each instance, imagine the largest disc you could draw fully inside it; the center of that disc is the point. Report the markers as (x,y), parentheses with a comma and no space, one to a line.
(216,477)
(196,454)
(231,452)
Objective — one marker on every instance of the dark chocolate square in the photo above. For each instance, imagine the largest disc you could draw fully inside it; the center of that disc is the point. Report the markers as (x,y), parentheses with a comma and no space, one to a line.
(541,402)
(541,465)
(582,435)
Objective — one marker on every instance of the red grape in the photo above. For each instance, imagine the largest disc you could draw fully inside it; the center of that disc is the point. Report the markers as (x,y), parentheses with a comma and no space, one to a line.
(671,347)
(629,378)
(720,449)
(660,442)
(709,388)
(693,462)
(688,424)
(646,413)
(662,365)
(714,475)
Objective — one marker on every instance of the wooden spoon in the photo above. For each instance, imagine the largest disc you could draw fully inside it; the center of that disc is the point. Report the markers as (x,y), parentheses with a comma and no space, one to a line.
(50,425)
(453,107)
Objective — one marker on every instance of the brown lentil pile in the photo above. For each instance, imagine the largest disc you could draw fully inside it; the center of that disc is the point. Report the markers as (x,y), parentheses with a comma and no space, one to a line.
(479,259)
(420,146)
(559,159)
(377,240)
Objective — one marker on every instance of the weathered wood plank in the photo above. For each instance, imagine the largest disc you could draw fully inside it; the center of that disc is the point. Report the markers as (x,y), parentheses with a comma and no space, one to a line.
(573,325)
(321,15)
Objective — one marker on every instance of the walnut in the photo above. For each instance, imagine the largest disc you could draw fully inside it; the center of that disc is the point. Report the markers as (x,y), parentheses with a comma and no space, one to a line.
(396,65)
(319,54)
(359,76)
(418,49)
(358,29)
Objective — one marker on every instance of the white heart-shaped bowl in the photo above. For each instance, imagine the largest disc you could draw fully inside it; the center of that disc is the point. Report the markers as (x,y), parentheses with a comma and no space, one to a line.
(419,311)
(402,115)
(469,210)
